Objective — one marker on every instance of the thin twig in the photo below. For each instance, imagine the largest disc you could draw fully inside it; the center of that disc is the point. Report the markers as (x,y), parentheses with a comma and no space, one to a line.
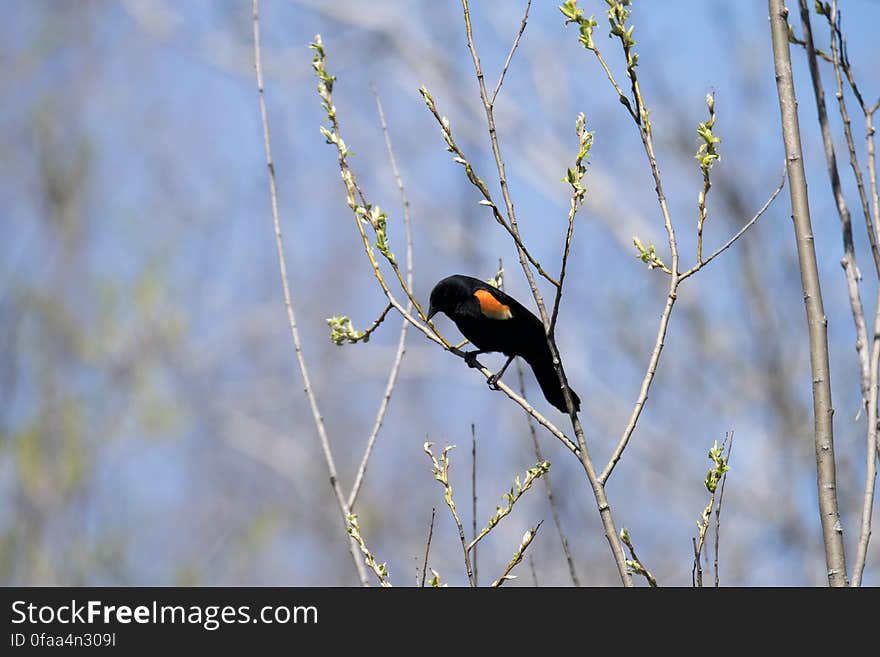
(539,470)
(837,45)
(707,156)
(868,369)
(574,177)
(742,231)
(792,38)
(362,214)
(474,499)
(540,459)
(716,473)
(848,262)
(697,568)
(379,569)
(646,384)
(478,182)
(428,547)
(718,511)
(522,28)
(622,97)
(871,457)
(441,474)
(635,563)
(873,219)
(843,63)
(640,117)
(401,342)
(547,485)
(675,277)
(404,197)
(499,162)
(527,539)
(526,406)
(344,510)
(617,14)
(341,329)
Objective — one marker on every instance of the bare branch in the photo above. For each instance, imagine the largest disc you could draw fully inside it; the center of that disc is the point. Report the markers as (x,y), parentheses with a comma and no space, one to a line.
(474,499)
(574,177)
(868,370)
(871,457)
(428,547)
(850,268)
(841,63)
(646,385)
(618,14)
(548,485)
(534,572)
(540,459)
(288,304)
(522,28)
(477,182)
(401,343)
(742,231)
(832,530)
(525,405)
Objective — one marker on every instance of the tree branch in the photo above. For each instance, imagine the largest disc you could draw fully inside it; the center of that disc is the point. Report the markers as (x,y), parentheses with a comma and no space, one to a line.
(587,463)
(441,473)
(548,485)
(344,509)
(848,262)
(870,457)
(401,343)
(742,231)
(522,28)
(832,530)
(428,548)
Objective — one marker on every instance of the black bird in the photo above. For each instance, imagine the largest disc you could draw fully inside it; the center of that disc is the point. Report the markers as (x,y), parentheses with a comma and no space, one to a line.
(494,321)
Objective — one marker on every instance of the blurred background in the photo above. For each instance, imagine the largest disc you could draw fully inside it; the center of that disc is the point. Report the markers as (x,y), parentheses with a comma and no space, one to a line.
(153,427)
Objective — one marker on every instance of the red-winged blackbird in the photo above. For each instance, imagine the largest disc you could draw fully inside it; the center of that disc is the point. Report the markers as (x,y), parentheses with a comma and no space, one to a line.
(494,321)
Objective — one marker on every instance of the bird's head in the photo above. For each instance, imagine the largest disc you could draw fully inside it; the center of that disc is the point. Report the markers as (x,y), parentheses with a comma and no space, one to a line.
(446,295)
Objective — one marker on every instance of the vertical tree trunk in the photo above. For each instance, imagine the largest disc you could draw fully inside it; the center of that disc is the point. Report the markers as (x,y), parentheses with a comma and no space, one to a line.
(832,530)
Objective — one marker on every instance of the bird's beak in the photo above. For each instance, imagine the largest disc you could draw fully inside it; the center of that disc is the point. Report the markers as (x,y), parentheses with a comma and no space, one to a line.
(431,312)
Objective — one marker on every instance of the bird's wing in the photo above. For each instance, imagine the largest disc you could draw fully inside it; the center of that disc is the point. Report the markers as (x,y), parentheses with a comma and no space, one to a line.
(514,307)
(491,306)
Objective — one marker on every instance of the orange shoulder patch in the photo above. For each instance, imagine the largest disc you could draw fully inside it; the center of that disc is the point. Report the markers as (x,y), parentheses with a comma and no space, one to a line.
(491,307)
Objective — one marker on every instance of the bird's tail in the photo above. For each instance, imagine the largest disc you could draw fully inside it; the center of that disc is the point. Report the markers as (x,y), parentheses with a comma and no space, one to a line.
(547,378)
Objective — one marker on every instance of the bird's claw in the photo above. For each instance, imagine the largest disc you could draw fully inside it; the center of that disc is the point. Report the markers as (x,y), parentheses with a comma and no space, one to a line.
(493,382)
(470,357)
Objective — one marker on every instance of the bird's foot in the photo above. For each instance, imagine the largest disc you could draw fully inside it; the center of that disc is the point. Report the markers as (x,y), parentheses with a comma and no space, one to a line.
(470,357)
(493,382)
